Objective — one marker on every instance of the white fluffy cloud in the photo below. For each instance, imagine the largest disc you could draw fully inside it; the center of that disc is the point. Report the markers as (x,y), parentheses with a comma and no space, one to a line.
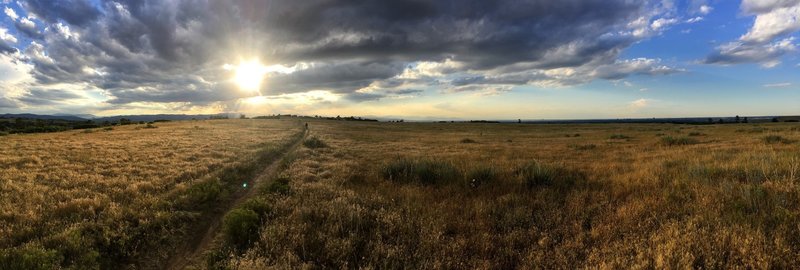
(765,42)
(11,14)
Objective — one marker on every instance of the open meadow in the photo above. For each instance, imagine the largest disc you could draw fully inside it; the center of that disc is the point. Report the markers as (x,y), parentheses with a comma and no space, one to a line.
(503,196)
(123,197)
(402,195)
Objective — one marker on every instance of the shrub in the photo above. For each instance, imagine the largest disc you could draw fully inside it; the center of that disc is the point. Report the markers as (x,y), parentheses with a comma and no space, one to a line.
(481,175)
(29,258)
(535,174)
(240,228)
(772,139)
(696,134)
(467,140)
(88,130)
(426,172)
(314,142)
(150,125)
(279,186)
(205,192)
(619,137)
(3,133)
(108,128)
(670,141)
(583,146)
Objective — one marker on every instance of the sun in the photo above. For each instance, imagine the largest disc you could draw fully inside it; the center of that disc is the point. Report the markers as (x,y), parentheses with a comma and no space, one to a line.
(249,75)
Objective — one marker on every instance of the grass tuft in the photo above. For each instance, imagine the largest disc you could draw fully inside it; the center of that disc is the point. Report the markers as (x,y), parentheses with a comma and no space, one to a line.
(619,137)
(420,171)
(481,175)
(773,139)
(314,143)
(672,141)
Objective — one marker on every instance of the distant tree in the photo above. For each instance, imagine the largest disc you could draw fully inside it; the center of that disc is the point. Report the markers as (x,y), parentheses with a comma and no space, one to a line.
(775,120)
(745,120)
(710,121)
(737,119)
(124,121)
(242,116)
(519,121)
(721,121)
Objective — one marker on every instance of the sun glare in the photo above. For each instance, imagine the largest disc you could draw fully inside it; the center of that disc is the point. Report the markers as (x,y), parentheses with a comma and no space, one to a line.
(249,75)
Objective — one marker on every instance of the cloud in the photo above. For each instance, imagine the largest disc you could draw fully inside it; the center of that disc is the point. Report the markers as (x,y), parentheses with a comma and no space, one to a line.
(6,40)
(47,96)
(775,23)
(739,52)
(77,12)
(765,42)
(640,103)
(705,9)
(777,85)
(694,20)
(140,52)
(10,13)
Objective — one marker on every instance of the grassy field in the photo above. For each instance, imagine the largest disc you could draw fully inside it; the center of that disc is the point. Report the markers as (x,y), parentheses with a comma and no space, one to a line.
(121,197)
(500,196)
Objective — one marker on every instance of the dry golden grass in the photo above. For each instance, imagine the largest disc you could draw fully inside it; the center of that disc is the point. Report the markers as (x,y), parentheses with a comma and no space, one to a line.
(727,198)
(109,198)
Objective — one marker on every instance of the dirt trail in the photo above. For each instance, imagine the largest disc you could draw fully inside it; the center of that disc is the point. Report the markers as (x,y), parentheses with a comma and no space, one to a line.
(191,252)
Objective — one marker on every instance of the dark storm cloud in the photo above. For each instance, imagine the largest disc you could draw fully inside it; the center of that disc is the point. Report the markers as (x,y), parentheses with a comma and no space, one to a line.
(6,48)
(8,103)
(47,97)
(28,28)
(373,96)
(173,51)
(77,12)
(342,77)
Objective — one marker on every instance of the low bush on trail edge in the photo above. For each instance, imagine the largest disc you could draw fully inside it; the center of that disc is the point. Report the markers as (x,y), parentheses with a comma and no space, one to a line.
(279,186)
(314,142)
(467,140)
(772,139)
(240,228)
(425,172)
(535,174)
(670,141)
(619,137)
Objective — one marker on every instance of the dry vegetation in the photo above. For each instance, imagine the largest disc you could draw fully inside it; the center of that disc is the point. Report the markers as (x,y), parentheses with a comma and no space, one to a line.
(527,196)
(121,197)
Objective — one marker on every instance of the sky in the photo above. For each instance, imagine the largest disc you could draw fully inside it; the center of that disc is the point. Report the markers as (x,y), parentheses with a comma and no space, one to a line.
(412,59)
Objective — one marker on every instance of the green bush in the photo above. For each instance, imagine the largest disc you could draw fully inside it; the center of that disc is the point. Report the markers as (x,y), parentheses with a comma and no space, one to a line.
(536,174)
(29,257)
(619,137)
(426,172)
(279,186)
(205,192)
(670,141)
(583,146)
(314,142)
(772,139)
(479,176)
(240,228)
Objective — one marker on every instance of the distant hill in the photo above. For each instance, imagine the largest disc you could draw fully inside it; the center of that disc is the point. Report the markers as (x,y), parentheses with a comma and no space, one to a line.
(170,117)
(43,117)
